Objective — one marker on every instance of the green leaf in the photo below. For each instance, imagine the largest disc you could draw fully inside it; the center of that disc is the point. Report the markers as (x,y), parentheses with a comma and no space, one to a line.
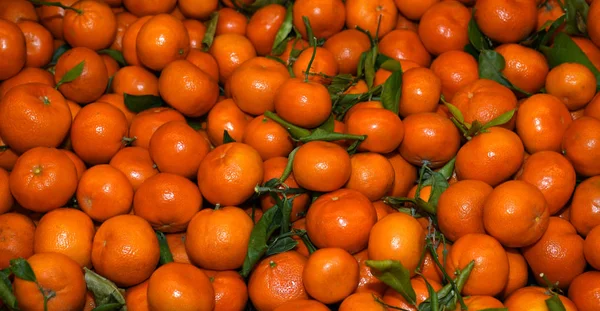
(294,53)
(259,237)
(211,28)
(576,12)
(500,120)
(392,90)
(320,134)
(59,52)
(455,112)
(361,65)
(543,35)
(116,55)
(71,75)
(438,183)
(6,291)
(305,239)
(281,38)
(165,252)
(340,83)
(109,307)
(105,291)
(195,124)
(478,40)
(328,125)
(139,103)
(396,276)
(21,269)
(370,59)
(565,50)
(450,293)
(554,304)
(227,138)
(491,64)
(391,65)
(433,297)
(281,246)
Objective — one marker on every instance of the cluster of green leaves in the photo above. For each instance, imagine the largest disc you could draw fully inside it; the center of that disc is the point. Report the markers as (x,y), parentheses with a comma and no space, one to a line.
(470,130)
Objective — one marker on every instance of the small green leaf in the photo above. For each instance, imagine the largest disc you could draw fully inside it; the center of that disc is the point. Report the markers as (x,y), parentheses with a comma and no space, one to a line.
(116,55)
(109,307)
(328,125)
(478,40)
(392,90)
(305,239)
(565,50)
(21,269)
(139,103)
(59,52)
(500,120)
(391,65)
(227,138)
(261,233)
(554,304)
(361,65)
(6,291)
(396,276)
(211,28)
(72,74)
(105,291)
(433,297)
(544,34)
(295,131)
(491,64)
(576,12)
(281,246)
(370,59)
(281,38)
(340,83)
(165,252)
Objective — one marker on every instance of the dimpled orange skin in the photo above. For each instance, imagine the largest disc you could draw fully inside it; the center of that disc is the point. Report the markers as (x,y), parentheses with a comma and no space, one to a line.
(455,69)
(506,21)
(580,145)
(483,100)
(13,50)
(136,297)
(167,201)
(372,175)
(67,231)
(397,236)
(263,27)
(584,212)
(573,83)
(125,250)
(321,166)
(342,218)
(327,17)
(327,267)
(233,167)
(443,27)
(541,123)
(367,14)
(404,44)
(421,89)
(98,124)
(130,43)
(531,298)
(55,273)
(525,68)
(95,28)
(225,116)
(180,286)
(27,75)
(145,123)
(39,44)
(268,138)
(43,179)
(324,62)
(162,40)
(92,82)
(384,129)
(135,80)
(6,198)
(135,163)
(17,233)
(306,104)
(230,51)
(347,47)
(491,157)
(33,115)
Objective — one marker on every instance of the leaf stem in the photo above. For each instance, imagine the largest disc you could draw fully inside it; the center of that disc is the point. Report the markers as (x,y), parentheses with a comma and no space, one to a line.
(294,130)
(56,4)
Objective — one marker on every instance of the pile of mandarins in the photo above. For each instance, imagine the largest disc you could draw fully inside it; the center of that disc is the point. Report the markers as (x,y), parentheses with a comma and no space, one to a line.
(278,155)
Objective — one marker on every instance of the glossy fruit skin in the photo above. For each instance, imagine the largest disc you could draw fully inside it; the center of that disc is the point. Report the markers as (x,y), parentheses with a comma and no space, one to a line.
(95,28)
(104,192)
(13,52)
(161,40)
(321,166)
(17,237)
(328,266)
(580,146)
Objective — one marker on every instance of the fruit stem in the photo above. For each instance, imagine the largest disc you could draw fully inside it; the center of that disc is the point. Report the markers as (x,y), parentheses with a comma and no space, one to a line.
(128,140)
(296,131)
(312,59)
(56,4)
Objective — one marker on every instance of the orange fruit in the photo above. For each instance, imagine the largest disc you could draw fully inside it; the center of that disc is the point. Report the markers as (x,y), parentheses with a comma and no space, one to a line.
(376,124)
(263,27)
(268,138)
(79,165)
(443,27)
(371,174)
(176,243)
(230,289)
(177,148)
(17,11)
(167,201)
(118,101)
(579,145)
(33,115)
(180,286)
(397,236)
(226,116)
(541,123)
(104,192)
(111,250)
(405,23)
(379,15)
(347,47)
(414,9)
(276,280)
(525,68)
(430,139)
(196,31)
(455,69)
(162,40)
(8,158)
(111,65)
(506,21)
(204,61)
(94,28)
(584,291)
(136,164)
(326,17)
(341,219)
(230,51)
(136,297)
(27,75)
(43,179)
(98,132)
(551,173)
(518,273)
(254,84)
(6,198)
(592,109)
(589,49)
(231,21)
(572,83)
(484,100)
(144,7)
(92,82)
(321,166)
(66,231)
(303,103)
(490,273)
(229,173)
(590,247)
(323,66)
(534,298)
(17,233)
(301,248)
(124,19)
(134,80)
(460,208)
(481,303)
(361,301)
(405,175)
(330,275)
(298,44)
(583,212)
(13,53)
(405,45)
(274,168)
(302,305)
(129,41)
(367,282)
(52,17)
(421,90)
(558,254)
(516,213)
(593,24)
(491,157)
(39,44)
(548,12)
(197,9)
(57,275)
(145,123)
